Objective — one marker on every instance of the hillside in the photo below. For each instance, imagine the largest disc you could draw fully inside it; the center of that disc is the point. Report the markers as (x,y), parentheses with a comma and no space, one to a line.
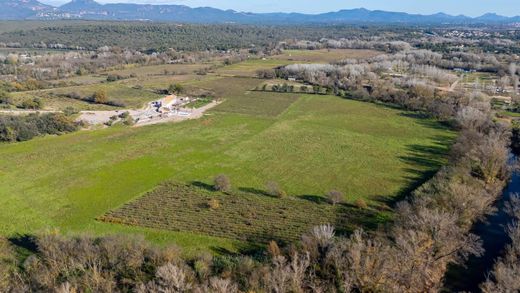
(89,9)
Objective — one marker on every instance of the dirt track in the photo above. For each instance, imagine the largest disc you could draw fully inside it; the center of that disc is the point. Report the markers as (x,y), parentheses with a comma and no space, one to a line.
(143,116)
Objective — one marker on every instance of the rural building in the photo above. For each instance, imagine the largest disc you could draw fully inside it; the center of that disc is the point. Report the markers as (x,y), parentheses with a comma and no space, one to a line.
(170,103)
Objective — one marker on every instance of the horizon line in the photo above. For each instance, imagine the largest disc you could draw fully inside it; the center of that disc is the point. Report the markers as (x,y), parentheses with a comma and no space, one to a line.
(290,12)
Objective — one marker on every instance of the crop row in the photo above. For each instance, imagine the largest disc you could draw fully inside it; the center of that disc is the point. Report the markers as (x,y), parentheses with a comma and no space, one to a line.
(243,216)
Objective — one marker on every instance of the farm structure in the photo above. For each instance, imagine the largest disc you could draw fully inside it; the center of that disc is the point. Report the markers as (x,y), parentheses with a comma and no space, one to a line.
(170,104)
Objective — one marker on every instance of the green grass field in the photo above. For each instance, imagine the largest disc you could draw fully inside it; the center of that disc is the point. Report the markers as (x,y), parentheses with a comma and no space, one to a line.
(250,67)
(116,91)
(324,55)
(309,144)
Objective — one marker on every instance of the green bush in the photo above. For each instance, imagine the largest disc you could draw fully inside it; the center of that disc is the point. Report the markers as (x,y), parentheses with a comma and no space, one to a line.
(22,128)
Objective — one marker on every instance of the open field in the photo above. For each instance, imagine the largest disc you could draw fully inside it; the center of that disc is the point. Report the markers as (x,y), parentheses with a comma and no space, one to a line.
(250,67)
(116,92)
(58,103)
(309,145)
(324,55)
(166,69)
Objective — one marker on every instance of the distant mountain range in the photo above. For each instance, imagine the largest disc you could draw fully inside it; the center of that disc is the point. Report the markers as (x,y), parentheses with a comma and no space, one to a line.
(89,9)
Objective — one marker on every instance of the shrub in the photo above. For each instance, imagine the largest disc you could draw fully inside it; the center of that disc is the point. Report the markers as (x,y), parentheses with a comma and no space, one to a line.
(69,111)
(5,98)
(112,78)
(124,115)
(7,264)
(266,73)
(335,196)
(273,249)
(361,203)
(74,95)
(129,121)
(100,97)
(175,88)
(214,204)
(274,189)
(34,104)
(222,183)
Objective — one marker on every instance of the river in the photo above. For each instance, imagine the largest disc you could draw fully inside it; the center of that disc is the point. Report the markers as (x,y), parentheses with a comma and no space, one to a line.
(494,238)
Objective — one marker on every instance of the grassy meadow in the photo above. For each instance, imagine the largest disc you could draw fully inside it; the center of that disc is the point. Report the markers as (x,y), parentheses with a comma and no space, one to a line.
(324,55)
(308,144)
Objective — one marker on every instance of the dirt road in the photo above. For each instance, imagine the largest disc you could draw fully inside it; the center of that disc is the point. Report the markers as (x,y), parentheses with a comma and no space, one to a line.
(143,117)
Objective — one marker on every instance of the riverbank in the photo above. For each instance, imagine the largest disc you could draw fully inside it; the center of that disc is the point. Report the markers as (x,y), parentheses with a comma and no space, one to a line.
(492,232)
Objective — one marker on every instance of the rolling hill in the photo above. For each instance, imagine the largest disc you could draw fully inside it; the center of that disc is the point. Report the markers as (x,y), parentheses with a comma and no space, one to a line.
(90,9)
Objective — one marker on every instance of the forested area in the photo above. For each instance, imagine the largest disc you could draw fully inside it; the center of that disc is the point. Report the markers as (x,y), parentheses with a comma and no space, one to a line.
(159,37)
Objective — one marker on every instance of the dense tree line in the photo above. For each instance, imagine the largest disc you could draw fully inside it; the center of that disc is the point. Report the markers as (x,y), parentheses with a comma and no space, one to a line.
(22,128)
(158,37)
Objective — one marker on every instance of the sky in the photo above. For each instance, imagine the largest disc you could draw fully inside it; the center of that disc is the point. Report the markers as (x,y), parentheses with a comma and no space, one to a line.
(454,7)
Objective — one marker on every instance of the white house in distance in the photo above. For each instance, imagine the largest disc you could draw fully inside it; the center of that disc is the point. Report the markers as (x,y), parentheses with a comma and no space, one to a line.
(170,103)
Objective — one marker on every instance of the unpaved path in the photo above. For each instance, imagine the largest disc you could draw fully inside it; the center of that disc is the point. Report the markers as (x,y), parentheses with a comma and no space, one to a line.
(194,114)
(146,116)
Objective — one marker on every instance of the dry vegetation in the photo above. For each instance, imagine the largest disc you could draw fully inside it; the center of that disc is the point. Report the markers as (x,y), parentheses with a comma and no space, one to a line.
(254,217)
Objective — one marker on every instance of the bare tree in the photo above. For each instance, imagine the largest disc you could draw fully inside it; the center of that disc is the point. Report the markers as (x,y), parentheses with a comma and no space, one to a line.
(222,183)
(335,196)
(274,189)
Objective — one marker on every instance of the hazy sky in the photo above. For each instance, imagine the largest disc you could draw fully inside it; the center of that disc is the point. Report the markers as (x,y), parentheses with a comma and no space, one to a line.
(467,7)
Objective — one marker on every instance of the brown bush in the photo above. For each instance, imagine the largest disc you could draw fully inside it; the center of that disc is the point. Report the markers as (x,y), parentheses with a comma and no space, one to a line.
(361,203)
(100,97)
(274,189)
(214,204)
(335,196)
(222,183)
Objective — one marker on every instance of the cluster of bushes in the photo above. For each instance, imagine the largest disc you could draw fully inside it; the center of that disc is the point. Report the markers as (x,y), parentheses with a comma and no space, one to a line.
(286,88)
(6,101)
(22,128)
(32,104)
(98,97)
(124,117)
(114,77)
